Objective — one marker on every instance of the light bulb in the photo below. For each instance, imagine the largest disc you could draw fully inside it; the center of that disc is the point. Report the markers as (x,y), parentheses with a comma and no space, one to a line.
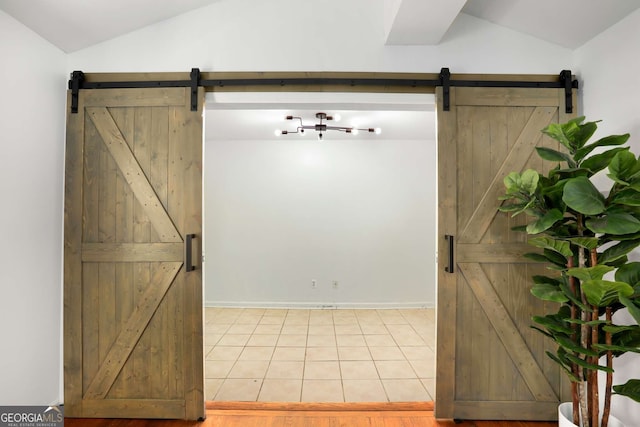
(336,117)
(277,132)
(355,131)
(378,131)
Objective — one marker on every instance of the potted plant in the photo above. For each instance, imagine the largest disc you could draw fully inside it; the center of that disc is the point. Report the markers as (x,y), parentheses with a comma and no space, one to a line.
(584,236)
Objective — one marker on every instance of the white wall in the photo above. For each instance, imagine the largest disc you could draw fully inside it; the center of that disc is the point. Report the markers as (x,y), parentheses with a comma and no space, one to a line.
(293,35)
(279,214)
(32,77)
(610,73)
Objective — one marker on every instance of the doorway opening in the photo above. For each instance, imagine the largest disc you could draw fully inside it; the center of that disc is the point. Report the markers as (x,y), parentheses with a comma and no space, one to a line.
(320,256)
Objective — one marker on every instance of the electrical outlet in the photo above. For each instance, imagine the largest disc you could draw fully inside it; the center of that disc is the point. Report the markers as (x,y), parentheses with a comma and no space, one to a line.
(335,284)
(313,284)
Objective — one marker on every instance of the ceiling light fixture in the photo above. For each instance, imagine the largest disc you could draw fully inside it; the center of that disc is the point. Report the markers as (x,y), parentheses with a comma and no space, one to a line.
(323,127)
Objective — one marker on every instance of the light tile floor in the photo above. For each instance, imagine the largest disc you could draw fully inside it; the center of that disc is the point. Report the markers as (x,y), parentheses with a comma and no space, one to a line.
(339,355)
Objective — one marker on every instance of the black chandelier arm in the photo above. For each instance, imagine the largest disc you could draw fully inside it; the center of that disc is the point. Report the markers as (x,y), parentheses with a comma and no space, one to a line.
(296,118)
(323,127)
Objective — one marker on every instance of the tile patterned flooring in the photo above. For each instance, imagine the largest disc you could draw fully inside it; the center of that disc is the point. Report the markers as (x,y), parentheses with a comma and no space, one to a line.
(308,355)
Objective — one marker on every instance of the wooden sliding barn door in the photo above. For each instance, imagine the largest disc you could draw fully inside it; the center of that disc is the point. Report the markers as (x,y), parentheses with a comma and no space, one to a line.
(133,218)
(490,364)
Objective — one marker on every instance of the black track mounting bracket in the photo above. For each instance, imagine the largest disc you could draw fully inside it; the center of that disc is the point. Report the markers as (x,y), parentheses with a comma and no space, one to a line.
(195,82)
(568,84)
(75,84)
(445,82)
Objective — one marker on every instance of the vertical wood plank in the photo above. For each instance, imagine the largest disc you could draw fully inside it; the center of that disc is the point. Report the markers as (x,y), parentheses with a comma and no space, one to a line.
(153,336)
(463,140)
(106,234)
(124,234)
(193,322)
(159,130)
(90,271)
(142,232)
(73,209)
(499,147)
(176,186)
(446,286)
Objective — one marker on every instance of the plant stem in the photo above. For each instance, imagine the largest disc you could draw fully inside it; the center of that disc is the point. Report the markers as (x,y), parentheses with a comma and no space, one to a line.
(607,389)
(575,400)
(584,391)
(593,373)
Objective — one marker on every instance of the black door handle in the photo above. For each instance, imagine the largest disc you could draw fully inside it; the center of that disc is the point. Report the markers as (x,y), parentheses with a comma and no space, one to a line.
(188,252)
(450,268)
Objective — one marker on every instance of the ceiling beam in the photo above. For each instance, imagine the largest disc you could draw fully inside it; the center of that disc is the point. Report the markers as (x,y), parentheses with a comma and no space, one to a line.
(419,22)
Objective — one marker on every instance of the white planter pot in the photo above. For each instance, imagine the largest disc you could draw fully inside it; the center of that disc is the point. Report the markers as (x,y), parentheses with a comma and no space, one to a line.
(565,417)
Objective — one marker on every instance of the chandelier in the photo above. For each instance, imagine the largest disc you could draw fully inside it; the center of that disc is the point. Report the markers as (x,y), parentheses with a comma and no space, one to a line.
(322,127)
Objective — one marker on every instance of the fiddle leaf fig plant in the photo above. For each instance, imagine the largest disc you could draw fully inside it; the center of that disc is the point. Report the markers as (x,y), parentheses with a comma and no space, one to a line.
(584,236)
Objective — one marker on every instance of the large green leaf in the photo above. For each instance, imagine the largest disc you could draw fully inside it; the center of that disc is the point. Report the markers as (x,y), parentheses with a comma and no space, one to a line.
(614,329)
(527,182)
(569,172)
(629,273)
(620,349)
(571,345)
(544,223)
(574,298)
(585,322)
(619,262)
(517,208)
(614,223)
(632,306)
(623,166)
(605,292)
(513,207)
(606,141)
(596,272)
(617,251)
(562,132)
(572,134)
(582,196)
(598,162)
(564,364)
(555,258)
(626,340)
(560,246)
(585,242)
(535,256)
(628,197)
(547,292)
(553,323)
(630,389)
(584,132)
(555,156)
(587,365)
(546,279)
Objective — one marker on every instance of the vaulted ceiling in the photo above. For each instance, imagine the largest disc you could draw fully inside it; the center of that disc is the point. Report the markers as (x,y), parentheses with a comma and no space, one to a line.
(72,25)
(75,24)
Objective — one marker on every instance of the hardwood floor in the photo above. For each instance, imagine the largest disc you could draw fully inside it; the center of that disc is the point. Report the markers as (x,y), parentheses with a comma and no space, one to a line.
(252,414)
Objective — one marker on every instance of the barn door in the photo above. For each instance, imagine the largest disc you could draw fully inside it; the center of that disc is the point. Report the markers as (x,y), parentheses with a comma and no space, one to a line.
(132,300)
(490,364)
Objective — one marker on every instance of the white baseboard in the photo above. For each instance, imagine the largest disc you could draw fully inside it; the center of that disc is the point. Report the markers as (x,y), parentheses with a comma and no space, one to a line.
(320,305)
